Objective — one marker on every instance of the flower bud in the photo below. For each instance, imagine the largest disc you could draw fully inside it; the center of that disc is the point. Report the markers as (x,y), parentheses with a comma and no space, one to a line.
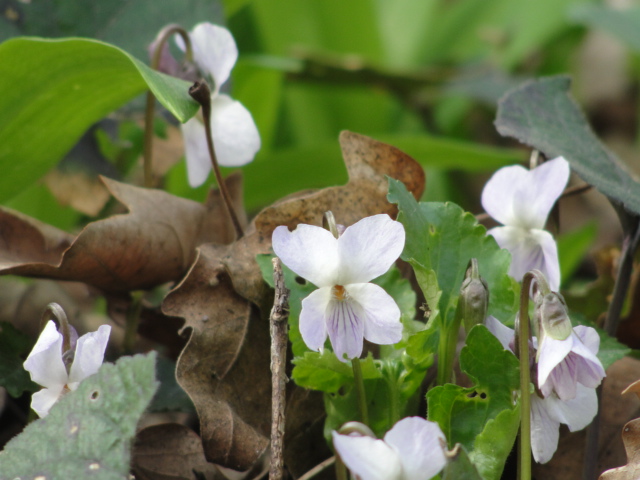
(474,297)
(552,317)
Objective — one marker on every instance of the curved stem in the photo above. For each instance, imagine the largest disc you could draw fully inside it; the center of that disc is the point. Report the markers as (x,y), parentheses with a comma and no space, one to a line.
(201,93)
(132,321)
(522,345)
(162,38)
(360,392)
(54,310)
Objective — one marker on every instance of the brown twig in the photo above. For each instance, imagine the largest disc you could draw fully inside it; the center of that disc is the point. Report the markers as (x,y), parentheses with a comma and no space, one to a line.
(318,468)
(278,325)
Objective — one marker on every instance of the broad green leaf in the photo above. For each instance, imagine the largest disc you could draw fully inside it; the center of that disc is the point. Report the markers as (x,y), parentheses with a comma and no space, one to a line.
(323,371)
(443,238)
(623,24)
(170,397)
(541,114)
(88,433)
(14,347)
(573,247)
(459,465)
(53,90)
(463,413)
(492,447)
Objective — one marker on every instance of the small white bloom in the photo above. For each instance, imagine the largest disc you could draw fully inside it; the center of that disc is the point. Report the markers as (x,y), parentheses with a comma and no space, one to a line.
(47,368)
(521,200)
(548,413)
(564,363)
(411,450)
(235,135)
(345,306)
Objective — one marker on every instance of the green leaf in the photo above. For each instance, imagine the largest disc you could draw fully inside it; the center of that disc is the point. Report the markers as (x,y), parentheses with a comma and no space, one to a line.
(170,397)
(623,24)
(573,247)
(460,466)
(323,371)
(14,347)
(443,238)
(54,90)
(463,413)
(489,455)
(88,433)
(541,114)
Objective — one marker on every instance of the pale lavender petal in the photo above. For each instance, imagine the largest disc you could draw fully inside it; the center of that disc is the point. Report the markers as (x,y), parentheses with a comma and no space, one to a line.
(42,401)
(44,363)
(368,458)
(313,318)
(310,251)
(589,337)
(562,380)
(499,330)
(530,249)
(196,152)
(89,355)
(235,136)
(345,325)
(368,248)
(518,197)
(214,51)
(381,313)
(544,430)
(576,413)
(419,444)
(551,353)
(588,365)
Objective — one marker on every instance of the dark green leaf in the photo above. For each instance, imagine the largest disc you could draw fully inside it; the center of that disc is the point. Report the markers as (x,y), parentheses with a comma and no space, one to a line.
(88,433)
(459,466)
(541,114)
(170,397)
(53,90)
(621,23)
(14,348)
(323,371)
(573,247)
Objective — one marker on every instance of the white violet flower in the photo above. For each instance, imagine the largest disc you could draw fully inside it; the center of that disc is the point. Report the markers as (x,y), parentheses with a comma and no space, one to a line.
(414,449)
(235,135)
(47,366)
(345,306)
(521,200)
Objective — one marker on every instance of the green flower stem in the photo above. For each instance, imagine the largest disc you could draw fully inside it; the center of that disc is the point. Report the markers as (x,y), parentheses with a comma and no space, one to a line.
(360,392)
(446,352)
(522,343)
(164,35)
(341,470)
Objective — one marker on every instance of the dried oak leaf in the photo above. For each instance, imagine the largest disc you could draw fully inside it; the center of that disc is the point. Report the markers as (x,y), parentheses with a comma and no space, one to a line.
(171,452)
(225,366)
(152,244)
(631,440)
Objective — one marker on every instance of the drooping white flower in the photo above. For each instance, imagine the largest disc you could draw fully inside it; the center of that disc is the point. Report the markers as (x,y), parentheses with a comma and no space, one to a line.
(47,368)
(411,450)
(563,364)
(235,135)
(521,200)
(548,413)
(345,306)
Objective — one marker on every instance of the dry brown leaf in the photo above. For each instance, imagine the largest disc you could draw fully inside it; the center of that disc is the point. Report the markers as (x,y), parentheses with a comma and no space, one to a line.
(154,243)
(224,370)
(631,440)
(84,193)
(171,452)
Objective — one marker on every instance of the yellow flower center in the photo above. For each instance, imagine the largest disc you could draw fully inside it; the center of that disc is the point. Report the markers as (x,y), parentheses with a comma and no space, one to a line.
(339,292)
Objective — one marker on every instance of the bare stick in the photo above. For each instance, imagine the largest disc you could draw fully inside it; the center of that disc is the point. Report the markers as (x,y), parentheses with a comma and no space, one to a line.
(278,323)
(318,468)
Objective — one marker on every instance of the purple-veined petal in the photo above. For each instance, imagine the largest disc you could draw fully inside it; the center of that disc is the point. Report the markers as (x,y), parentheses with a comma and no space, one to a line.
(310,251)
(576,413)
(544,430)
(588,365)
(42,401)
(418,444)
(214,51)
(89,355)
(368,248)
(518,197)
(589,337)
(381,313)
(345,325)
(530,249)
(550,354)
(44,363)
(235,136)
(499,330)
(196,152)
(368,458)
(313,318)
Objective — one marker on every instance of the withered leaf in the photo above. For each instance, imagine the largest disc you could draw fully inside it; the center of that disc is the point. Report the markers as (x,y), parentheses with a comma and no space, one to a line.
(224,370)
(154,243)
(631,440)
(171,452)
